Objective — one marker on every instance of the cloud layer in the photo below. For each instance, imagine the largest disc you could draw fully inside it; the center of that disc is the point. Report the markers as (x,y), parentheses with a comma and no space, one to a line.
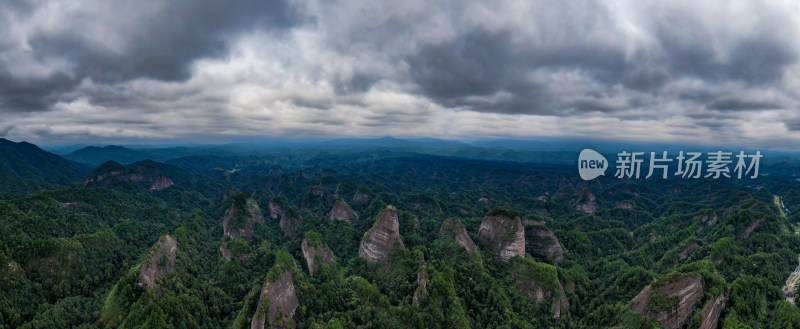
(723,72)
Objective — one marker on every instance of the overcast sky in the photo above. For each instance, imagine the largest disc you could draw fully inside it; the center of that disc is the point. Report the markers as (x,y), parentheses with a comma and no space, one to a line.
(97,71)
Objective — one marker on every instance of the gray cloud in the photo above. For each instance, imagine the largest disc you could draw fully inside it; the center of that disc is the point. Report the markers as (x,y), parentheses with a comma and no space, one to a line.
(742,105)
(168,70)
(156,40)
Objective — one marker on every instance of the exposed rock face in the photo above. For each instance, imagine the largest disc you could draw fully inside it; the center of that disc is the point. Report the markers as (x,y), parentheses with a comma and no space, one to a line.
(282,299)
(71,204)
(687,251)
(624,205)
(384,236)
(686,291)
(453,227)
(149,176)
(161,183)
(342,211)
(535,291)
(710,220)
(316,255)
(422,287)
(245,230)
(562,305)
(586,202)
(275,210)
(159,263)
(465,212)
(526,278)
(711,312)
(504,235)
(228,254)
(362,197)
(751,228)
(542,240)
(544,197)
(290,225)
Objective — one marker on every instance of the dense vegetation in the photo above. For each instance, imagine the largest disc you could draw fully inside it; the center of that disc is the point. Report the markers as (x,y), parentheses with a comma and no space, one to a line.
(70,256)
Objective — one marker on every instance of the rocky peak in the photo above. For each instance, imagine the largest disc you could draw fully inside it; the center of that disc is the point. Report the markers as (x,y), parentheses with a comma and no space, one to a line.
(147,173)
(502,231)
(539,281)
(542,240)
(277,304)
(315,252)
(161,183)
(240,219)
(342,211)
(282,301)
(671,303)
(159,262)
(384,236)
(290,221)
(453,227)
(586,202)
(362,195)
(711,312)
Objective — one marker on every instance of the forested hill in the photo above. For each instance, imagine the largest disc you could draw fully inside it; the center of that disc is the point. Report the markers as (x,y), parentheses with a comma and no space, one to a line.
(390,239)
(25,168)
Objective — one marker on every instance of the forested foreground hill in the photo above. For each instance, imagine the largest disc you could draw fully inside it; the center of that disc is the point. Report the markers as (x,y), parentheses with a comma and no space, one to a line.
(394,240)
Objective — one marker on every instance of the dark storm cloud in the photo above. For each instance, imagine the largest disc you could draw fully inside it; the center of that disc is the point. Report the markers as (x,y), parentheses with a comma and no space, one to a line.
(162,45)
(463,71)
(733,104)
(793,125)
(153,69)
(467,71)
(32,94)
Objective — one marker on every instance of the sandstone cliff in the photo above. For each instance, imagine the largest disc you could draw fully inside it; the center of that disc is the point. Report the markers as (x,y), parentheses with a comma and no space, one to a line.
(148,173)
(384,236)
(539,282)
(240,219)
(712,311)
(315,252)
(542,241)
(290,221)
(159,262)
(342,211)
(277,304)
(503,234)
(671,303)
(422,287)
(453,227)
(586,202)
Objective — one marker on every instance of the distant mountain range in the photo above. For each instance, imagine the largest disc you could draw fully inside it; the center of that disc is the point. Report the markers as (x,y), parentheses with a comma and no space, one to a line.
(94,155)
